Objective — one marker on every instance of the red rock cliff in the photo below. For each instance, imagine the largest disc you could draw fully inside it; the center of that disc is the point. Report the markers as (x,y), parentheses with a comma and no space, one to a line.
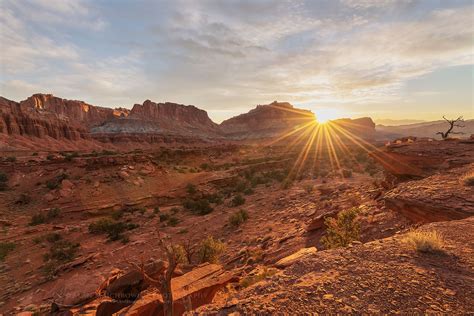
(75,111)
(266,121)
(172,114)
(17,119)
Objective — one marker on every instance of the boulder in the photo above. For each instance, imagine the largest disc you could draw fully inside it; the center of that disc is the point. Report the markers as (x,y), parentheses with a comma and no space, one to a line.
(130,284)
(318,222)
(191,290)
(123,174)
(297,256)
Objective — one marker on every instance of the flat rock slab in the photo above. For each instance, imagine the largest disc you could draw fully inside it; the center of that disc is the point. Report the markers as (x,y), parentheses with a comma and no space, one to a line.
(302,253)
(190,291)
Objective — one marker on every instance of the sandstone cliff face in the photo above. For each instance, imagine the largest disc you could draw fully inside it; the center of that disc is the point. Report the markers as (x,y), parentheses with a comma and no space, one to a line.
(266,121)
(75,111)
(22,120)
(159,123)
(171,115)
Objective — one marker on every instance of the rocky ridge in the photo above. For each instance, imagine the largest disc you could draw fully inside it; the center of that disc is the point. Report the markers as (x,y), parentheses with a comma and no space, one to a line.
(48,117)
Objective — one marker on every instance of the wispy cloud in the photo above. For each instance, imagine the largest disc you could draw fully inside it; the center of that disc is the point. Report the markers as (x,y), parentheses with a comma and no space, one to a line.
(230,54)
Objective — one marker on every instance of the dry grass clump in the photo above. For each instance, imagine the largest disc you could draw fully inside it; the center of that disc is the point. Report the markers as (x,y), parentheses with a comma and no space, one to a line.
(252,279)
(468,179)
(425,241)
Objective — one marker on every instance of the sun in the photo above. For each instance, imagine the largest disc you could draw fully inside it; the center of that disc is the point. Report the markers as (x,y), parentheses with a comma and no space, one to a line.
(325,115)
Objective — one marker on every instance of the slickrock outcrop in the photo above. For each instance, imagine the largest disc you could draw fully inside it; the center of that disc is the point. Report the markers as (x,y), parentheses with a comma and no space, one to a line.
(422,158)
(435,192)
(385,276)
(266,121)
(439,197)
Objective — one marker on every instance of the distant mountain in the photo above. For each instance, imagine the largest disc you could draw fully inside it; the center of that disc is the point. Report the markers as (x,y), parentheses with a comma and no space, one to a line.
(391,122)
(266,121)
(425,129)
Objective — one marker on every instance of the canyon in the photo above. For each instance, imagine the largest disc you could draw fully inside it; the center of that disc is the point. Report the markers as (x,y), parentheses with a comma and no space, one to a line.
(89,196)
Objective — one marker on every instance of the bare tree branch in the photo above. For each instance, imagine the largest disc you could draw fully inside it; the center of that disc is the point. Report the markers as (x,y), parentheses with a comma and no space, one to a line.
(452,125)
(163,284)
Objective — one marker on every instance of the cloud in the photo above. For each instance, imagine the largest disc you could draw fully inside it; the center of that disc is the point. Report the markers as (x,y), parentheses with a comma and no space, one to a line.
(230,54)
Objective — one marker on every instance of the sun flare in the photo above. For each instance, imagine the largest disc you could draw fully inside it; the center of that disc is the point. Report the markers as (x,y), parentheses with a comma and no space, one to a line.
(325,115)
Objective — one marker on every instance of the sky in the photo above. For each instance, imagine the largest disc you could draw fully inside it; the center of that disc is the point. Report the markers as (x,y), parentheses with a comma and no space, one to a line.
(404,59)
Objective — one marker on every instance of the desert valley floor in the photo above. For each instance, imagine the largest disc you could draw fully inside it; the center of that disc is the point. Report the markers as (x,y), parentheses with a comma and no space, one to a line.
(274,260)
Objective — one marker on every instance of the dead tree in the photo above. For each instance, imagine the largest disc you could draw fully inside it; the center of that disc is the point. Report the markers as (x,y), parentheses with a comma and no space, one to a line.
(163,284)
(189,250)
(452,125)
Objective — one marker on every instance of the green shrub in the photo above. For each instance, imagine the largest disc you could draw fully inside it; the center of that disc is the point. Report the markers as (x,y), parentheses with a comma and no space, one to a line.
(114,230)
(53,213)
(199,206)
(249,191)
(108,152)
(238,218)
(56,182)
(164,217)
(117,214)
(41,218)
(237,200)
(5,249)
(210,250)
(11,159)
(173,221)
(347,173)
(3,177)
(174,210)
(204,166)
(53,237)
(342,230)
(215,198)
(191,188)
(37,219)
(50,157)
(62,251)
(70,156)
(23,199)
